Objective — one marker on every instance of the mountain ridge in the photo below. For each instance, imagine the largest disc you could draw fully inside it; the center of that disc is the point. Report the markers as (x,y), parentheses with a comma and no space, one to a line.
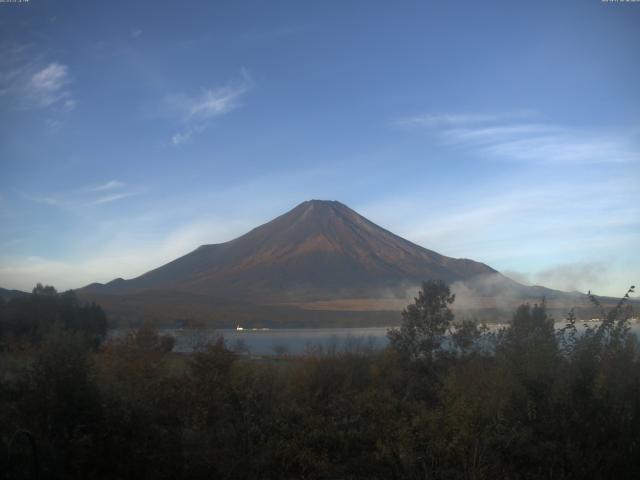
(317,245)
(8,294)
(319,256)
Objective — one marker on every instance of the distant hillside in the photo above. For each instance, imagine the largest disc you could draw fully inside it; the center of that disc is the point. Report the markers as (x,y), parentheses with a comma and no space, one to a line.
(319,257)
(9,294)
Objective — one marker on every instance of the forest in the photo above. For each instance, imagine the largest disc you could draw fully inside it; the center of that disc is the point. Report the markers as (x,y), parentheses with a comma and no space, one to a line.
(447,399)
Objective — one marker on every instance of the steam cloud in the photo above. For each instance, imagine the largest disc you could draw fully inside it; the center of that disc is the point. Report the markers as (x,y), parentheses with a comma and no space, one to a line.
(578,276)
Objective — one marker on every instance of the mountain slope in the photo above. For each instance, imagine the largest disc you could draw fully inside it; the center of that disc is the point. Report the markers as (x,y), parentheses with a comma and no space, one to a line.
(9,294)
(319,264)
(318,250)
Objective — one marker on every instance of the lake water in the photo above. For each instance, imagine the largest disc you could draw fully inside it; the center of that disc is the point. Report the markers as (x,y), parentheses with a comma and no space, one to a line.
(276,341)
(291,341)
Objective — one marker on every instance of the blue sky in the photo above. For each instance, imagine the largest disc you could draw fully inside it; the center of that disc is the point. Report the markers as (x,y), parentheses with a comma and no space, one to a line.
(507,132)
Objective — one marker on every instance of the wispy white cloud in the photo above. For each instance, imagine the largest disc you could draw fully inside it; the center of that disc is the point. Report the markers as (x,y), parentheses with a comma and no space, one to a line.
(110,185)
(52,200)
(49,84)
(187,135)
(52,124)
(528,216)
(212,103)
(28,82)
(88,196)
(120,256)
(531,224)
(566,147)
(111,198)
(136,32)
(181,137)
(511,137)
(490,135)
(434,120)
(197,110)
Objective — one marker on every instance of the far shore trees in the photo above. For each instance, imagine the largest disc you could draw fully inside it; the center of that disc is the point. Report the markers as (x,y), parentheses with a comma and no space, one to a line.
(29,318)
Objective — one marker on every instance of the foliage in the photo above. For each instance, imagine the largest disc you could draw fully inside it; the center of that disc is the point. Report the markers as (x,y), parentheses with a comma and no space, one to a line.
(425,322)
(530,404)
(29,318)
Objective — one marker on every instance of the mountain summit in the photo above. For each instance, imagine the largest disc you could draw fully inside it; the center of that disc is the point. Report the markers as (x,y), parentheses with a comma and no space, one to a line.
(319,250)
(318,264)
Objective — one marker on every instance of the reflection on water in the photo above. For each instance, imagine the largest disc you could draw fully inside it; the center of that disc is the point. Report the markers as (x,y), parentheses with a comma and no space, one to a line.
(294,340)
(277,341)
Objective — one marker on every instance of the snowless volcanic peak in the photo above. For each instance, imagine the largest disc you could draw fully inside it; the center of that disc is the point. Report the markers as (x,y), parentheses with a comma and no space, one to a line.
(320,249)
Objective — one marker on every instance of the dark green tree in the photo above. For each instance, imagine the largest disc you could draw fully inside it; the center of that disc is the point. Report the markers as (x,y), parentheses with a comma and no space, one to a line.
(30,317)
(47,290)
(425,322)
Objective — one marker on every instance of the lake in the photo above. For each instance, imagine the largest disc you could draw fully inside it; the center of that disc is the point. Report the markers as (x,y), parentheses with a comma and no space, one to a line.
(291,340)
(276,341)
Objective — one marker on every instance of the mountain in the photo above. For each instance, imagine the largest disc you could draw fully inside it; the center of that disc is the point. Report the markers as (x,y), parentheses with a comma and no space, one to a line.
(318,250)
(319,257)
(9,294)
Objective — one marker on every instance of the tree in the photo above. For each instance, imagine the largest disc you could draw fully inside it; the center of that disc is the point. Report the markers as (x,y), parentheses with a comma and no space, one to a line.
(530,346)
(532,327)
(60,399)
(425,322)
(30,317)
(47,290)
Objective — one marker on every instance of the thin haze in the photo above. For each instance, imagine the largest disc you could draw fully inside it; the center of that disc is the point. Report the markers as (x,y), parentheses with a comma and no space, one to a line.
(505,132)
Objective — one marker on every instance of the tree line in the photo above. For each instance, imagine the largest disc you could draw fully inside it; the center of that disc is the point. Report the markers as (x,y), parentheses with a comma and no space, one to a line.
(445,400)
(28,318)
